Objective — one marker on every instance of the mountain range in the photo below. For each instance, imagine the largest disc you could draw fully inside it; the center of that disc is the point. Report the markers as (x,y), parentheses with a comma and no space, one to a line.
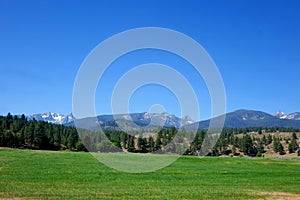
(51,117)
(110,121)
(282,115)
(134,121)
(251,118)
(237,119)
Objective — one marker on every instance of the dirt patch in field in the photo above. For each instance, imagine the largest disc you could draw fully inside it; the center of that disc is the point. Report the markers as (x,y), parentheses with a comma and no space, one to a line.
(282,163)
(9,197)
(5,148)
(267,163)
(280,195)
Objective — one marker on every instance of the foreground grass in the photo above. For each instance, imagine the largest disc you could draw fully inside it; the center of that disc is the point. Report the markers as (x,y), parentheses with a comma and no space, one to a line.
(29,174)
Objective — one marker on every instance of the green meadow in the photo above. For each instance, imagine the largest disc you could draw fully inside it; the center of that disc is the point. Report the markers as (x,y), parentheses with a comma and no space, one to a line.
(29,174)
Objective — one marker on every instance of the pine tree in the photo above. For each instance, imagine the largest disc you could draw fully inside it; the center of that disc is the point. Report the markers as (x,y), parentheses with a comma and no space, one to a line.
(247,146)
(293,146)
(28,133)
(130,144)
(140,142)
(264,139)
(123,138)
(157,143)
(151,143)
(294,136)
(276,144)
(281,149)
(39,136)
(269,140)
(260,149)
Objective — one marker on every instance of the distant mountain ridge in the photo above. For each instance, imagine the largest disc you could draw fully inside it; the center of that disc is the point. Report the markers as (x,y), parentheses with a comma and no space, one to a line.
(134,121)
(110,121)
(237,119)
(51,117)
(250,118)
(293,116)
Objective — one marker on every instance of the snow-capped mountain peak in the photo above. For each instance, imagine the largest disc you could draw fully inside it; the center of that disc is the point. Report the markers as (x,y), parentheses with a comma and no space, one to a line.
(293,116)
(187,120)
(51,117)
(280,115)
(145,118)
(160,119)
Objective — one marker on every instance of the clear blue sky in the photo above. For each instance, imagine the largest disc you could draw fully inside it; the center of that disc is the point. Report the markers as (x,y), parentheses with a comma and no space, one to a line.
(255,44)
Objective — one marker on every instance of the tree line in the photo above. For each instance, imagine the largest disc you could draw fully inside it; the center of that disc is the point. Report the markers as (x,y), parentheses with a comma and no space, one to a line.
(232,141)
(18,132)
(165,139)
(237,142)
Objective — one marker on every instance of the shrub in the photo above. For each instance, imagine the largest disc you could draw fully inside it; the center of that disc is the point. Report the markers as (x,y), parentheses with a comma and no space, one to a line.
(259,154)
(80,146)
(130,149)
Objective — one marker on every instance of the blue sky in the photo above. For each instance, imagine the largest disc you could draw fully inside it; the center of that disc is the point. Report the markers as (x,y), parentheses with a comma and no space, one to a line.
(255,44)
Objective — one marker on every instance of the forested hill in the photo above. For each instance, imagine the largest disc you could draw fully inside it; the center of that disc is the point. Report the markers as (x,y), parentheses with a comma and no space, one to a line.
(20,133)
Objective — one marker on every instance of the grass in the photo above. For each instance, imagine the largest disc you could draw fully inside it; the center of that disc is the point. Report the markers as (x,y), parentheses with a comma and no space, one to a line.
(26,174)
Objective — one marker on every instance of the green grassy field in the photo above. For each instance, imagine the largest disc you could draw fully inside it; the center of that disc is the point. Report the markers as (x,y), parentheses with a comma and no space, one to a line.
(26,174)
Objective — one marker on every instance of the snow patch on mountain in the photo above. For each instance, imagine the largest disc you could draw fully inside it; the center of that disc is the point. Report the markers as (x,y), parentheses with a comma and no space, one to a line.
(292,116)
(280,115)
(156,119)
(51,117)
(140,119)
